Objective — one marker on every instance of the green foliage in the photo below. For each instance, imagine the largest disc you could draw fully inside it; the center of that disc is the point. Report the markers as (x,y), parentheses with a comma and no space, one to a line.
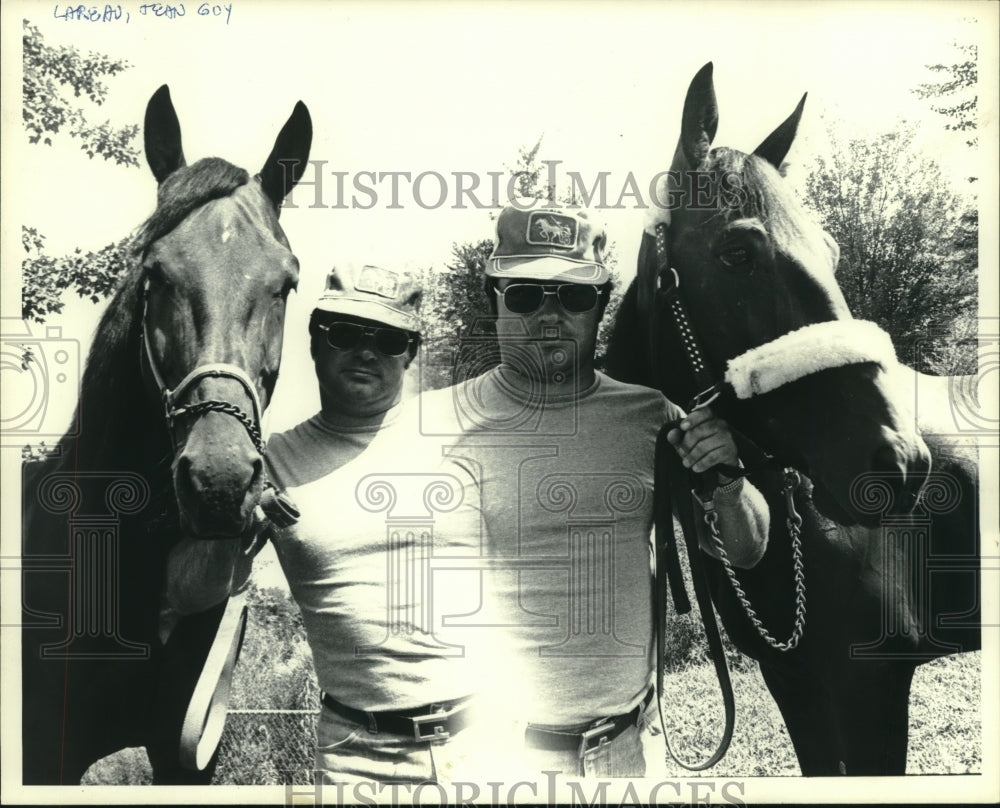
(528,172)
(49,73)
(275,669)
(93,275)
(611,312)
(275,672)
(908,254)
(457,326)
(958,86)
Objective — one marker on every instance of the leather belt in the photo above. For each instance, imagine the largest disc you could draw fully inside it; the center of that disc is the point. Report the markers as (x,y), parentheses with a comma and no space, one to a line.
(590,736)
(431,722)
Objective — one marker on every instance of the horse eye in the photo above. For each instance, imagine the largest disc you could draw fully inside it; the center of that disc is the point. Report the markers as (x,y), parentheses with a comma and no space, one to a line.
(737,258)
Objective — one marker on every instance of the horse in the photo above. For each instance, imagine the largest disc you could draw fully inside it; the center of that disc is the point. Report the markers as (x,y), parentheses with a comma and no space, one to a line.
(889,535)
(134,531)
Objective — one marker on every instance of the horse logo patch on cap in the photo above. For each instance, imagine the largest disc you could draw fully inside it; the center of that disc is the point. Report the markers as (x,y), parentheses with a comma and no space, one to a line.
(377,281)
(550,229)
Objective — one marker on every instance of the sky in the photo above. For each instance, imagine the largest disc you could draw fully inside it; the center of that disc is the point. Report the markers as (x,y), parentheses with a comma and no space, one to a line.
(434,87)
(445,88)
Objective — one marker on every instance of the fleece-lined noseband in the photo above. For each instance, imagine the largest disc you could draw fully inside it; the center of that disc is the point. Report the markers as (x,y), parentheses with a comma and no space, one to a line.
(806,351)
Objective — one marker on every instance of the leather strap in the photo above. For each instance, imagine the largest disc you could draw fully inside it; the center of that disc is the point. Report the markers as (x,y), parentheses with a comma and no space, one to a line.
(430,722)
(674,483)
(206,713)
(586,737)
(668,301)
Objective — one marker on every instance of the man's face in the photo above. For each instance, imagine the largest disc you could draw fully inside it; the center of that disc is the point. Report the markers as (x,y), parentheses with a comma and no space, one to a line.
(359,380)
(566,339)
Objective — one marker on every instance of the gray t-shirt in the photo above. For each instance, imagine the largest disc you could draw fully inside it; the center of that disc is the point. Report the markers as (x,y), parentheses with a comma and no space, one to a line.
(375,516)
(566,492)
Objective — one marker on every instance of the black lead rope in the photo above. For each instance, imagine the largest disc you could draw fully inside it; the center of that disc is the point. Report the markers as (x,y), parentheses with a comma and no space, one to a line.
(672,484)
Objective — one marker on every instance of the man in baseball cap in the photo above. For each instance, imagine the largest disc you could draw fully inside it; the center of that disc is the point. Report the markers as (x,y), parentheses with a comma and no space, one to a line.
(394,698)
(565,458)
(365,332)
(548,244)
(547,284)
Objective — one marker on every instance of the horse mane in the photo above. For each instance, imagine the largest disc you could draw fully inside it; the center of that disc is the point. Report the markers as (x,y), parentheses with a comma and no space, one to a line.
(117,423)
(184,191)
(764,195)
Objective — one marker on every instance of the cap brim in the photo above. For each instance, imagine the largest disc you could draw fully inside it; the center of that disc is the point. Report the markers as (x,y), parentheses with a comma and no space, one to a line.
(369,310)
(547,269)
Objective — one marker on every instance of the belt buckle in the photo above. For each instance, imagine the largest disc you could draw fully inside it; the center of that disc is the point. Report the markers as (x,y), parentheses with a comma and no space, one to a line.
(438,731)
(600,732)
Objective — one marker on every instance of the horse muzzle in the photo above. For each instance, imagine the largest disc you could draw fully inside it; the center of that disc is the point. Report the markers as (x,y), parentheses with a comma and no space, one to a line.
(218,478)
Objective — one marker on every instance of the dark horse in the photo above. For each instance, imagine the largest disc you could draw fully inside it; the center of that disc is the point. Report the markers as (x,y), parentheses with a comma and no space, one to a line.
(890,534)
(122,591)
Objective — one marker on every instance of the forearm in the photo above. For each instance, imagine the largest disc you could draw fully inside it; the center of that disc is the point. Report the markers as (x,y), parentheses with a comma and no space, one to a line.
(743,523)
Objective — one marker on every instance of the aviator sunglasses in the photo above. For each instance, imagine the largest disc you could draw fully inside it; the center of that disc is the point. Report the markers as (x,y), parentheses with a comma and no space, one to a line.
(525,298)
(345,336)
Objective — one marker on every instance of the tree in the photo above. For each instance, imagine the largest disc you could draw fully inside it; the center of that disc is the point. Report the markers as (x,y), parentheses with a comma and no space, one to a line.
(908,259)
(49,75)
(958,85)
(93,275)
(459,338)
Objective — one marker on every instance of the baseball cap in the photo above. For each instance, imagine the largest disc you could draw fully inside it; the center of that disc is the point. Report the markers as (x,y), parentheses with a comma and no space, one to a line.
(548,244)
(374,293)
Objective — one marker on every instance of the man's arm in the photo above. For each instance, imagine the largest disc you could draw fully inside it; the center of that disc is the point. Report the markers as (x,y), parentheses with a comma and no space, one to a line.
(702,442)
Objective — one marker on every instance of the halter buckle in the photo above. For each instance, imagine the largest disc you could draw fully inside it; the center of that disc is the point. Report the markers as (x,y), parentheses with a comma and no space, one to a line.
(661,274)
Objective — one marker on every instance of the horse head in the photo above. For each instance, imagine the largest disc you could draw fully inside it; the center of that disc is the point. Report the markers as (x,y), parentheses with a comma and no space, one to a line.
(216,273)
(756,272)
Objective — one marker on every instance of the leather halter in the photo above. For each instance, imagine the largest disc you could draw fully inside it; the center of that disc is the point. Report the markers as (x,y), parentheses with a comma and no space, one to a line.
(171,398)
(671,483)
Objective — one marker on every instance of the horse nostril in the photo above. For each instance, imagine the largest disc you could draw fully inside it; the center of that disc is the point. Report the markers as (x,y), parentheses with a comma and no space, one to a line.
(904,475)
(258,471)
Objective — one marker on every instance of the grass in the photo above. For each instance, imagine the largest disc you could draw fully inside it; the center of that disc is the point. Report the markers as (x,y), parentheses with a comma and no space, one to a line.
(945,723)
(275,672)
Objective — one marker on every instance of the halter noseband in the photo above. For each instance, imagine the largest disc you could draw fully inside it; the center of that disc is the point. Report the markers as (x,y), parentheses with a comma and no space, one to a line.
(790,357)
(173,410)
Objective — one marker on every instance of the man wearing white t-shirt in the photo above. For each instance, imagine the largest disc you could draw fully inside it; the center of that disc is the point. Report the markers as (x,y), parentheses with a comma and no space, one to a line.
(395,695)
(563,458)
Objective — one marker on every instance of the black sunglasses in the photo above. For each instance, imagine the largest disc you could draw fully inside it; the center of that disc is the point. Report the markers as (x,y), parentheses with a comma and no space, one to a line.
(524,298)
(345,336)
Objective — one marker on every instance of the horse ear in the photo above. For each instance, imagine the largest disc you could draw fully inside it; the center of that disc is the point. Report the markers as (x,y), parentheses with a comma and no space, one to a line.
(776,145)
(162,135)
(699,123)
(287,162)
